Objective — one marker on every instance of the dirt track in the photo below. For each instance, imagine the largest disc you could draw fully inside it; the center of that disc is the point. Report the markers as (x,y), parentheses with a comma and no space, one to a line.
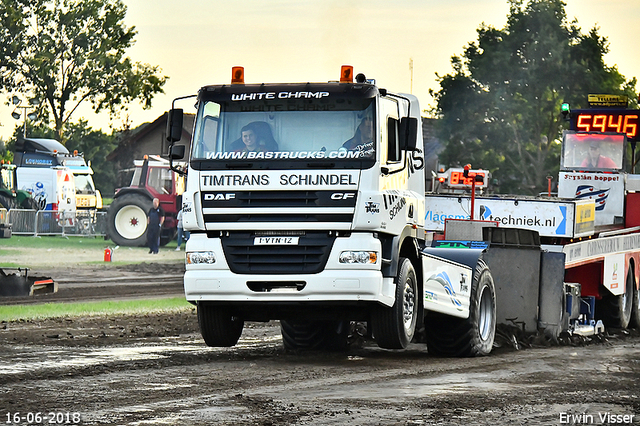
(155,369)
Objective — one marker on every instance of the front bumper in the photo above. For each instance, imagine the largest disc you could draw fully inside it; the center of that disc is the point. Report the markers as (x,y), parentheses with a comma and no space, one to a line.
(337,282)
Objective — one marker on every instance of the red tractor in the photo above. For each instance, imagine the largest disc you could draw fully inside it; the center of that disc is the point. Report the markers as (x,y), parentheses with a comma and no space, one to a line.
(127,217)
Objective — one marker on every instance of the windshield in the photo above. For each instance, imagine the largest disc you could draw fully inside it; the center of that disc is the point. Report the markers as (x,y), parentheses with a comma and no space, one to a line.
(84,184)
(593,151)
(7,182)
(269,130)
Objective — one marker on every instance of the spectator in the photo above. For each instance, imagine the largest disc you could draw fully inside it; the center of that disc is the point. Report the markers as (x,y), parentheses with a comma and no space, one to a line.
(182,234)
(155,219)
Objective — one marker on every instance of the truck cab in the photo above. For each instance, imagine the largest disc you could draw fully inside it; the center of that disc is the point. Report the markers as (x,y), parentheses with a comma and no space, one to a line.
(38,153)
(305,203)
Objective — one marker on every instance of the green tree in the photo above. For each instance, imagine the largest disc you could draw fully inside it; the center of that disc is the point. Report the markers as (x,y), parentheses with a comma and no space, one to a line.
(500,107)
(66,52)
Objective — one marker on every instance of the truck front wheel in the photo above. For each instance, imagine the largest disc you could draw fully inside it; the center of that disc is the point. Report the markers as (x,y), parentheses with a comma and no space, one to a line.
(472,336)
(393,327)
(219,328)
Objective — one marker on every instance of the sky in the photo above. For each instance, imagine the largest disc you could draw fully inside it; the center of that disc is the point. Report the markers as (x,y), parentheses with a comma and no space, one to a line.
(196,42)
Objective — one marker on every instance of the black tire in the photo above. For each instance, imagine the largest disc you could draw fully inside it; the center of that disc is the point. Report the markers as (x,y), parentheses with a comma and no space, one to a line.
(473,336)
(29,204)
(6,202)
(394,327)
(315,335)
(127,221)
(635,308)
(14,285)
(219,328)
(167,235)
(615,311)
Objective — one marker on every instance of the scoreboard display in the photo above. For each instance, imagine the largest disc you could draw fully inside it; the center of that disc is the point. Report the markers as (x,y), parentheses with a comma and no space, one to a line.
(607,121)
(454,178)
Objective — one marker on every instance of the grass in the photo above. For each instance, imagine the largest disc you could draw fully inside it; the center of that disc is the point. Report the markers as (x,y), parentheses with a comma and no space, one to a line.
(45,242)
(63,310)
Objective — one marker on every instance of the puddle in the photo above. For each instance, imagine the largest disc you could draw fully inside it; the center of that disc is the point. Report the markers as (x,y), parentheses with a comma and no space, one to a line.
(401,389)
(37,359)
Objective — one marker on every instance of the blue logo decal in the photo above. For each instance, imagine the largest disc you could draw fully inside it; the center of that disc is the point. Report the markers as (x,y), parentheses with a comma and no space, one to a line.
(562,228)
(588,192)
(445,281)
(485,212)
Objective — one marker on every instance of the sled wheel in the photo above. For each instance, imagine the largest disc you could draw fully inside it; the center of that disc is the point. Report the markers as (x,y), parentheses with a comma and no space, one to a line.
(472,336)
(615,311)
(635,308)
(393,327)
(219,328)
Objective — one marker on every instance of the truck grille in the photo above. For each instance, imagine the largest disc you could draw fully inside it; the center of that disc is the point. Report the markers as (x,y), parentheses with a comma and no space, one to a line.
(278,206)
(309,256)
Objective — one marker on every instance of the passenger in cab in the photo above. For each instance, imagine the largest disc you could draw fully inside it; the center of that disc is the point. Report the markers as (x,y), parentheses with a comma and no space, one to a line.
(362,141)
(255,136)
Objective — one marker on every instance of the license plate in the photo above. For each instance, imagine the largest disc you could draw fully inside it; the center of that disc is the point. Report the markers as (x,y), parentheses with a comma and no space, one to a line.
(275,241)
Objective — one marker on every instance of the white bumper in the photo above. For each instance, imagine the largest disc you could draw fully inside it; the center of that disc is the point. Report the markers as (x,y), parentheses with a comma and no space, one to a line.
(337,282)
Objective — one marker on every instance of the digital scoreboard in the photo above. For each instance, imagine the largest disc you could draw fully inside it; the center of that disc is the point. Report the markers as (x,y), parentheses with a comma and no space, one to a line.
(607,120)
(454,178)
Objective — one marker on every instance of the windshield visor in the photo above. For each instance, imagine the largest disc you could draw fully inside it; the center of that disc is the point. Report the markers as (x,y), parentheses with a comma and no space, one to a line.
(593,151)
(277,133)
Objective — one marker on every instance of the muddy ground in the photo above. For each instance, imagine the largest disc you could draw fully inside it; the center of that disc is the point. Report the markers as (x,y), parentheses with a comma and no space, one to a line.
(154,369)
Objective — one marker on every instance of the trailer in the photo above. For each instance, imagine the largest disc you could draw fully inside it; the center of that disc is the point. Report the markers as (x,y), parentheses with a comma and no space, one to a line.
(306,204)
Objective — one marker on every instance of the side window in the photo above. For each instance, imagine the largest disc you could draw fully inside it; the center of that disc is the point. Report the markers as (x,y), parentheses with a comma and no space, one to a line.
(393,147)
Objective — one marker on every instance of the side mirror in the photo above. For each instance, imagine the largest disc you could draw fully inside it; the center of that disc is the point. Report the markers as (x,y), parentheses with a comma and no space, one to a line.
(409,133)
(174,125)
(177,152)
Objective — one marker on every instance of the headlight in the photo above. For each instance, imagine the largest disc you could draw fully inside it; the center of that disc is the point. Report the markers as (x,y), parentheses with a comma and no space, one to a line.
(200,257)
(358,257)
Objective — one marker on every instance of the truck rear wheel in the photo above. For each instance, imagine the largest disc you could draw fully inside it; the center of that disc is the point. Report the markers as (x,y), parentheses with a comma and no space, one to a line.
(615,311)
(314,335)
(219,328)
(393,327)
(127,224)
(473,336)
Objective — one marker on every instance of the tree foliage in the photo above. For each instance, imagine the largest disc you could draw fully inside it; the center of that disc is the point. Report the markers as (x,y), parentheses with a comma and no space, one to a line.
(500,107)
(66,52)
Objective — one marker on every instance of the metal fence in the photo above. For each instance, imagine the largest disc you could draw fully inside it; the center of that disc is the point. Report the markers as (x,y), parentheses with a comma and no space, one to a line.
(47,222)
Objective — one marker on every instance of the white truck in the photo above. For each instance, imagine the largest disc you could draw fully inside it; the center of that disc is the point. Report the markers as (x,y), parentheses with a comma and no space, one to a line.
(41,154)
(306,204)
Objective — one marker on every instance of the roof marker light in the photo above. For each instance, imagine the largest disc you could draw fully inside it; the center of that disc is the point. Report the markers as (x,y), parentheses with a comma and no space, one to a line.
(346,74)
(237,75)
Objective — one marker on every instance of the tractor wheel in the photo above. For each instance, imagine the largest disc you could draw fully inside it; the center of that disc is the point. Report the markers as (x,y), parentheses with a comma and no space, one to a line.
(393,327)
(219,328)
(314,335)
(127,221)
(167,235)
(615,311)
(472,336)
(29,204)
(6,202)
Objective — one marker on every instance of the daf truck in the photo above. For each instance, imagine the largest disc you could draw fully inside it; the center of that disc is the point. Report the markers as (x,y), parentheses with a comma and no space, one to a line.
(306,204)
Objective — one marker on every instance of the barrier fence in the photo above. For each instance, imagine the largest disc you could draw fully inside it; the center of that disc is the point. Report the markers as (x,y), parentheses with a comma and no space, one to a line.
(47,222)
